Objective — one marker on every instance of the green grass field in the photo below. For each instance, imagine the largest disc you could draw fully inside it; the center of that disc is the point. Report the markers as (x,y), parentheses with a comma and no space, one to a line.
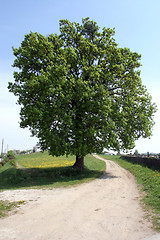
(44,160)
(39,170)
(149,180)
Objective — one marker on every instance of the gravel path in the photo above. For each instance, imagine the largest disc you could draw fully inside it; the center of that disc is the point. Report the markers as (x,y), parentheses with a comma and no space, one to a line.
(104,209)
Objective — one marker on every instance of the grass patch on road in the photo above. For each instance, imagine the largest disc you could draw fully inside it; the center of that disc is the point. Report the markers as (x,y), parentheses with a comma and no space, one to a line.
(149,180)
(39,170)
(6,206)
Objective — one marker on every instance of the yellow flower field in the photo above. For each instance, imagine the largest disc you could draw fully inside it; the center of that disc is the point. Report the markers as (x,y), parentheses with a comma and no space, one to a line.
(44,160)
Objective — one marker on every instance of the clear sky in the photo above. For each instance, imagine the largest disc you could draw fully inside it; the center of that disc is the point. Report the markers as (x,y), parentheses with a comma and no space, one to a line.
(137,26)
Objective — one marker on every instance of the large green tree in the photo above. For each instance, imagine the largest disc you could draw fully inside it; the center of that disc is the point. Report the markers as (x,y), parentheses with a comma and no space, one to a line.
(79,92)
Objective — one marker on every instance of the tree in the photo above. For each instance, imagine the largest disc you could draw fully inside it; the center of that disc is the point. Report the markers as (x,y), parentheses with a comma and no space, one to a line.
(136,153)
(79,92)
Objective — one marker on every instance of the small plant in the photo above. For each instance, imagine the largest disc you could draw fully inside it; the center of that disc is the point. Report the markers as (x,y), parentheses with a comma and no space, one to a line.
(6,206)
(5,160)
(10,154)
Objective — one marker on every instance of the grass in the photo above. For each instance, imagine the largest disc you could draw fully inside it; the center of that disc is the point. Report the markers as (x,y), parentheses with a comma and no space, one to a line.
(6,206)
(44,160)
(149,180)
(39,170)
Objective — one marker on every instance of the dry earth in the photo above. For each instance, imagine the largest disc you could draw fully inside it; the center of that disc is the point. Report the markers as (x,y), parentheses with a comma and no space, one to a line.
(104,209)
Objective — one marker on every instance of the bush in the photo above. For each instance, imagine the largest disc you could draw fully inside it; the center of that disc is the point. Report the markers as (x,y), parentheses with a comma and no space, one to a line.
(10,154)
(4,161)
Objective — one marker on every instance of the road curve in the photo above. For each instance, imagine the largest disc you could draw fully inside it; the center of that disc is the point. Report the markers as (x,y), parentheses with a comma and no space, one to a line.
(107,208)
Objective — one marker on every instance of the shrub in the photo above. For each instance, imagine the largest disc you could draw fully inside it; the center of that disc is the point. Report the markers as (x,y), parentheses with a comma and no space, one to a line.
(10,154)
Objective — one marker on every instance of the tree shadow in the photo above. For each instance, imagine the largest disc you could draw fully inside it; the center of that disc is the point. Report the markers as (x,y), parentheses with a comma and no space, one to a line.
(13,178)
(107,175)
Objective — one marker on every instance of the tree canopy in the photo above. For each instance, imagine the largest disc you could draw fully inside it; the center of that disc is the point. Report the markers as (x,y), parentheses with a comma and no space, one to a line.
(80,92)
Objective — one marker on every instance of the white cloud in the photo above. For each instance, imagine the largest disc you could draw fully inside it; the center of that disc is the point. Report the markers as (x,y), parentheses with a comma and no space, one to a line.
(152,144)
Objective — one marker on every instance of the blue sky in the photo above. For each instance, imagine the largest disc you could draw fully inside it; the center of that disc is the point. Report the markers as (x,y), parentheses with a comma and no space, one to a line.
(137,26)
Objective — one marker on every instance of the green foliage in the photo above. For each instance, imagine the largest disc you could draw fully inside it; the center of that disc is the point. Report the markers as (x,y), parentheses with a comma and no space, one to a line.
(43,170)
(136,153)
(5,160)
(79,92)
(10,153)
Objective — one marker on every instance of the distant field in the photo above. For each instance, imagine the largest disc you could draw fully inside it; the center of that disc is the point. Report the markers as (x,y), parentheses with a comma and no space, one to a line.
(44,160)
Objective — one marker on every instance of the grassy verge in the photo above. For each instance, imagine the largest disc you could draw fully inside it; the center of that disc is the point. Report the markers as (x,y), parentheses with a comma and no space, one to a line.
(6,206)
(39,170)
(149,180)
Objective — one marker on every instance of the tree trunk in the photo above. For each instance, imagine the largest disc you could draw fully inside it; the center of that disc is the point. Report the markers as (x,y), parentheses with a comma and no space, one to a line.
(79,164)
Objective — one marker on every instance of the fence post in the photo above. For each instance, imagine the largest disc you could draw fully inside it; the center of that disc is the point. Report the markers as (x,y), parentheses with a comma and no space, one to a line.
(2,148)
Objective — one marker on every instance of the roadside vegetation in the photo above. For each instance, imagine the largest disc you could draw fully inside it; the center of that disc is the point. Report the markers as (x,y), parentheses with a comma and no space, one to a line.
(149,180)
(6,206)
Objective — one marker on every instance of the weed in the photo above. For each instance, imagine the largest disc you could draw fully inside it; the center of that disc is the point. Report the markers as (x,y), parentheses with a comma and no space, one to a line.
(6,206)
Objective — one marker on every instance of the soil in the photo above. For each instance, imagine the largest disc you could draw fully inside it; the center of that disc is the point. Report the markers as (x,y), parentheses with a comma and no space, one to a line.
(107,208)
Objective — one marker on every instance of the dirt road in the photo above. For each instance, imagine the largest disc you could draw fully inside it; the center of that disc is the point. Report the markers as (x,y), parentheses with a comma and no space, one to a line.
(105,209)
